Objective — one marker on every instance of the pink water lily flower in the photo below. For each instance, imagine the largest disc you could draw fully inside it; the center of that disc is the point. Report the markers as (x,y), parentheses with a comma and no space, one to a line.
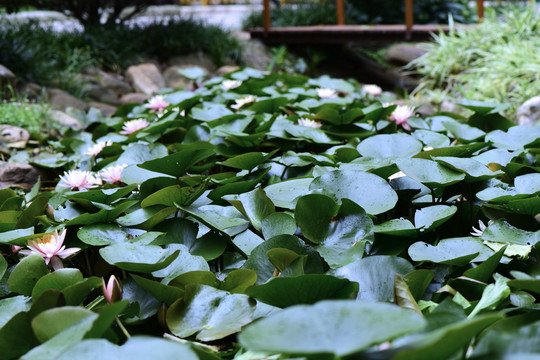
(372,89)
(309,123)
(112,290)
(96,149)
(79,180)
(156,104)
(113,174)
(50,247)
(134,125)
(401,114)
(243,101)
(326,93)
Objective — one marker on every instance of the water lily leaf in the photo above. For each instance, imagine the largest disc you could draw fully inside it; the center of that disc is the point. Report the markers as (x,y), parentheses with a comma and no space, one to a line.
(175,194)
(3,266)
(396,227)
(101,234)
(310,134)
(71,335)
(178,163)
(432,138)
(304,289)
(330,327)
(259,262)
(271,105)
(183,263)
(418,281)
(238,281)
(278,224)
(57,280)
(314,213)
(26,274)
(107,316)
(502,232)
(141,306)
(209,313)
(136,175)
(461,131)
(210,112)
(452,251)
(139,153)
(254,205)
(221,218)
(369,191)
(429,172)
(51,322)
(389,146)
(163,293)
(28,216)
(431,217)
(16,237)
(210,246)
(403,296)
(492,296)
(474,171)
(527,184)
(444,342)
(281,258)
(138,258)
(455,151)
(10,307)
(248,161)
(146,218)
(374,275)
(76,293)
(285,194)
(516,138)
(247,241)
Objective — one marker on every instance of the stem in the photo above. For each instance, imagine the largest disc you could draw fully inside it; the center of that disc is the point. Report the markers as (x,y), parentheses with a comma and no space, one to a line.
(124,330)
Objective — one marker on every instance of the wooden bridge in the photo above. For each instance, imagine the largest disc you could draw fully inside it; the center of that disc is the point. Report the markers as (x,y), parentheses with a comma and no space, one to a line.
(341,33)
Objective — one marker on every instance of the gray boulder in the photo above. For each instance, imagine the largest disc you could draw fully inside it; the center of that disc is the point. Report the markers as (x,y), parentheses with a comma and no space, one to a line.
(145,78)
(13,136)
(20,174)
(529,112)
(61,100)
(7,78)
(136,98)
(65,120)
(402,54)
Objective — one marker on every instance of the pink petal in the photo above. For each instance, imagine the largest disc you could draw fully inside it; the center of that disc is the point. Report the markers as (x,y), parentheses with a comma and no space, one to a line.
(67,252)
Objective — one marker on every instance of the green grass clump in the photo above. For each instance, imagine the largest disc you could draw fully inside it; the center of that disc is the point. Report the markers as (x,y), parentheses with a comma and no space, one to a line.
(31,117)
(497,61)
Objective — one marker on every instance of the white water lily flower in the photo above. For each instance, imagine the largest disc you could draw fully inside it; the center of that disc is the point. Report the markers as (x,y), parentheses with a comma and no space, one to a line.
(243,101)
(230,84)
(397,175)
(50,246)
(309,123)
(372,89)
(326,93)
(134,125)
(401,114)
(79,180)
(113,174)
(156,104)
(96,149)
(481,227)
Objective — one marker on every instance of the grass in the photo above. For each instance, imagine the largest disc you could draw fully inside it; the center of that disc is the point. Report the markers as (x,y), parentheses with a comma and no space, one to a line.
(32,117)
(499,61)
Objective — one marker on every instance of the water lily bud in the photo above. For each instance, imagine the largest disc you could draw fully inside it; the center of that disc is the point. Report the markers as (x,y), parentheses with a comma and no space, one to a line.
(49,211)
(112,290)
(162,316)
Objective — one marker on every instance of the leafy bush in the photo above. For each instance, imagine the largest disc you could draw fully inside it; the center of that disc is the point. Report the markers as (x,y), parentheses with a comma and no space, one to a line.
(29,116)
(362,12)
(499,60)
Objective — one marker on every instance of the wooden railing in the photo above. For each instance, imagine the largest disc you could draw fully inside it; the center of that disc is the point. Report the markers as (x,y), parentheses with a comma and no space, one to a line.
(340,13)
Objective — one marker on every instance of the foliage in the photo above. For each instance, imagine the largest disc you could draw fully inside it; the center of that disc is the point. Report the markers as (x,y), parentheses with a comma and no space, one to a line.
(362,12)
(229,210)
(36,54)
(89,13)
(23,114)
(496,61)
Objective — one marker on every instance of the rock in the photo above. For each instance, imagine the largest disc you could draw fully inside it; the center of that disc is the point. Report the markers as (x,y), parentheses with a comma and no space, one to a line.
(13,136)
(145,78)
(226,69)
(30,91)
(102,94)
(104,109)
(426,110)
(448,106)
(18,174)
(7,78)
(255,55)
(402,54)
(113,82)
(175,80)
(61,100)
(131,98)
(199,58)
(65,120)
(529,112)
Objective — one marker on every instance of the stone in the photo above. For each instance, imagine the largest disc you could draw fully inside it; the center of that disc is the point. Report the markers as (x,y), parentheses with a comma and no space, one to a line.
(7,78)
(529,112)
(30,91)
(199,58)
(61,100)
(426,110)
(104,109)
(448,106)
(402,54)
(255,55)
(21,174)
(13,136)
(145,78)
(65,120)
(133,98)
(175,80)
(225,69)
(102,94)
(113,82)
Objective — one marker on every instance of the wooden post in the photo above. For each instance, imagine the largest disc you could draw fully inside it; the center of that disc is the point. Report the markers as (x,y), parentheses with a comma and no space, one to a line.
(480,10)
(266,16)
(409,18)
(340,12)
